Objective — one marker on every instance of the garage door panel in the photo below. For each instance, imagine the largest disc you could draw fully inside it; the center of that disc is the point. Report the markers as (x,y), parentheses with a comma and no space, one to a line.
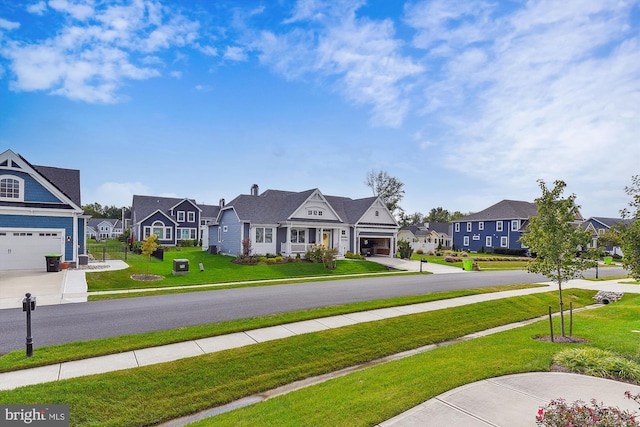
(24,249)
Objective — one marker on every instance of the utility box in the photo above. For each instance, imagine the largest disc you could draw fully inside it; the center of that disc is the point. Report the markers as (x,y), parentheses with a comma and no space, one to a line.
(83,259)
(53,262)
(213,249)
(180,266)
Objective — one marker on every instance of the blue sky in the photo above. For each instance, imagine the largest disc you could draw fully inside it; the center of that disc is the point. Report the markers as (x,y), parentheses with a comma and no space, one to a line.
(466,102)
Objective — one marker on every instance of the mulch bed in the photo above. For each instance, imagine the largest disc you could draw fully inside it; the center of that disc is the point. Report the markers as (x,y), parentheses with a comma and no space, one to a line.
(561,340)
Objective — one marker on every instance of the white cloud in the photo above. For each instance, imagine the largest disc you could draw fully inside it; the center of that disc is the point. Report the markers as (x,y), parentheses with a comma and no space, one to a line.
(551,95)
(117,193)
(8,25)
(362,56)
(79,10)
(89,59)
(235,53)
(37,8)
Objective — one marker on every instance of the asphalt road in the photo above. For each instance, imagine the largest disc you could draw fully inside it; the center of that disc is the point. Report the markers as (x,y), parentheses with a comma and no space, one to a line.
(57,324)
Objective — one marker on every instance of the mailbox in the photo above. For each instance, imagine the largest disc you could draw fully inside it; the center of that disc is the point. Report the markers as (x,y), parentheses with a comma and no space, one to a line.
(32,300)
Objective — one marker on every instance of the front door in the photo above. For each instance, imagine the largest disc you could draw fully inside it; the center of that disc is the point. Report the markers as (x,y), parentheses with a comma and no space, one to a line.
(325,239)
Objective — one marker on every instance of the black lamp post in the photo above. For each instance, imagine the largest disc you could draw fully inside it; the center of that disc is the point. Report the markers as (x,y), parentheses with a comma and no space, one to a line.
(29,305)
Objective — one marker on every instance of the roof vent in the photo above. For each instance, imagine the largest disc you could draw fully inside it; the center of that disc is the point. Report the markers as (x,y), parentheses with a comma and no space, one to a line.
(254,190)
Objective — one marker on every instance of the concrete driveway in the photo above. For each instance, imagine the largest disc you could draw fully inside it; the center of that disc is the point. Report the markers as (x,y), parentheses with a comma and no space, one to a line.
(60,287)
(48,287)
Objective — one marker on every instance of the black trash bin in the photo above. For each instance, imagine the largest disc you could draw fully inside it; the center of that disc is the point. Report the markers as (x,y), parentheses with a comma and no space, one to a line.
(53,262)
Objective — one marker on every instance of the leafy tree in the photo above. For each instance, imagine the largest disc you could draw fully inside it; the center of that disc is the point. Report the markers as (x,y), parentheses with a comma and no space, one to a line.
(630,236)
(438,215)
(96,210)
(149,246)
(404,249)
(413,219)
(554,237)
(387,187)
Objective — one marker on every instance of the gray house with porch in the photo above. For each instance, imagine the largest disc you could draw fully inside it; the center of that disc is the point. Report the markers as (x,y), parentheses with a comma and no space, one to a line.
(290,223)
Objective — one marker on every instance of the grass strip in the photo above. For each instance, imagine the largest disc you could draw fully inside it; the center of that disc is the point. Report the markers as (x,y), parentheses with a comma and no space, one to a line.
(153,394)
(16,360)
(371,396)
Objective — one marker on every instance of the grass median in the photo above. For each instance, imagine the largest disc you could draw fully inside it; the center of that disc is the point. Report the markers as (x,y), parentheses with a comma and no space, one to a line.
(153,394)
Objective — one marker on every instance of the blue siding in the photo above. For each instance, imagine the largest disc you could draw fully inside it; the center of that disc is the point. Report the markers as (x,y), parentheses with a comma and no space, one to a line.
(231,238)
(19,221)
(33,191)
(158,216)
(478,238)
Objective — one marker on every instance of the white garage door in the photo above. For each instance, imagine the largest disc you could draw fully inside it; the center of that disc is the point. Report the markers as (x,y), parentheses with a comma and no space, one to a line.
(24,249)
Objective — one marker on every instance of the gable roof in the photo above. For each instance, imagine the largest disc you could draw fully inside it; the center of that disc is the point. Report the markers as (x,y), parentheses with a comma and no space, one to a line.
(65,181)
(144,206)
(426,228)
(277,206)
(609,222)
(505,209)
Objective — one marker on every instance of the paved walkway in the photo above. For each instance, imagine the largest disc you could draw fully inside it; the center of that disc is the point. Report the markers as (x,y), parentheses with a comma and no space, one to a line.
(505,401)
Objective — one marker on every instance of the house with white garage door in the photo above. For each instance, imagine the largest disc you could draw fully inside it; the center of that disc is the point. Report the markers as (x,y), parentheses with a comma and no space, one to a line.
(40,213)
(290,223)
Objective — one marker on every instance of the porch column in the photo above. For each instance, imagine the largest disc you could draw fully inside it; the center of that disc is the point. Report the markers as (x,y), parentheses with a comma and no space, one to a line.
(287,243)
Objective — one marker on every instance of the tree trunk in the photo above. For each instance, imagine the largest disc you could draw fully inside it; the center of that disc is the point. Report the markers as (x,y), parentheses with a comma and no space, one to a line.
(561,305)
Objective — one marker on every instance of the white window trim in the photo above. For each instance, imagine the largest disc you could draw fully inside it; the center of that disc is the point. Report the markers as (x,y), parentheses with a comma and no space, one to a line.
(191,216)
(504,242)
(457,227)
(515,225)
(465,241)
(499,226)
(20,197)
(481,225)
(468,227)
(488,242)
(180,216)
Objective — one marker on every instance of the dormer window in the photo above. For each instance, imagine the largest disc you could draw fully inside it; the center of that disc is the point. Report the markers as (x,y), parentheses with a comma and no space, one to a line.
(11,188)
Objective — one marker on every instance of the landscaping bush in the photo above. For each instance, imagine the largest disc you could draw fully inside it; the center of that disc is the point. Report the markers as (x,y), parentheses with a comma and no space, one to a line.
(420,251)
(515,252)
(351,255)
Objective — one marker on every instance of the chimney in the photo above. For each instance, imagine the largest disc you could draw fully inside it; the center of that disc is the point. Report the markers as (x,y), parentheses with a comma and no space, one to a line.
(221,203)
(254,190)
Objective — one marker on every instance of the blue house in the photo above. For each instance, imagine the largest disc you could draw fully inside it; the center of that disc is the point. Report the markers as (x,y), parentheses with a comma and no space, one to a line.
(498,226)
(171,219)
(40,213)
(290,223)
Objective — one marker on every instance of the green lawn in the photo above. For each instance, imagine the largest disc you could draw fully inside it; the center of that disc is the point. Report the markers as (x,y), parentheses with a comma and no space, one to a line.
(152,394)
(217,269)
(484,265)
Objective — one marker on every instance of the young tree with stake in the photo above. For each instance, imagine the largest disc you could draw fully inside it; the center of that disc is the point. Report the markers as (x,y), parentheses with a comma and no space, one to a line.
(555,239)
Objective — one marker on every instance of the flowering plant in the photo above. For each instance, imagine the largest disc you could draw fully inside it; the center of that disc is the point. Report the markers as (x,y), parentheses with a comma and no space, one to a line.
(560,413)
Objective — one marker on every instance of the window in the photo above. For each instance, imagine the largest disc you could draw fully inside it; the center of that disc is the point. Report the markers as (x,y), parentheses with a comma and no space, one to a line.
(504,242)
(466,241)
(180,216)
(377,213)
(476,237)
(498,225)
(298,235)
(457,227)
(488,242)
(186,233)
(11,188)
(264,235)
(515,225)
(468,227)
(219,234)
(481,225)
(314,212)
(158,228)
(191,217)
